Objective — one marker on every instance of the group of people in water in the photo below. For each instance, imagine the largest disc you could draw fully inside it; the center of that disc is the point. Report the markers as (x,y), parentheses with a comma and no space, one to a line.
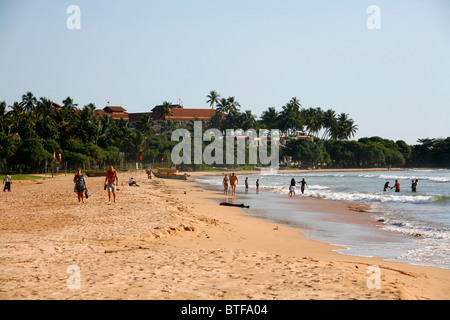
(397,185)
(232,180)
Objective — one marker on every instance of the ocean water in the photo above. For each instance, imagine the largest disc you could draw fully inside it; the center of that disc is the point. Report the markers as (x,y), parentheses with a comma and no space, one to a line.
(414,227)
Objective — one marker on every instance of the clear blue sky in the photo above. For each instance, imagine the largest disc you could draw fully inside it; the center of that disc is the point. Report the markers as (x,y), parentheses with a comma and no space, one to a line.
(394,82)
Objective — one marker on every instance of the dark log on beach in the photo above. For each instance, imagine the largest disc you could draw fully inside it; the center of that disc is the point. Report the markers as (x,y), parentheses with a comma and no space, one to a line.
(241,205)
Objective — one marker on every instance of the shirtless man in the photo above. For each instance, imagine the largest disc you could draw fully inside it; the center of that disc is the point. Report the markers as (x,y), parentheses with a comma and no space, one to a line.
(233,183)
(111,181)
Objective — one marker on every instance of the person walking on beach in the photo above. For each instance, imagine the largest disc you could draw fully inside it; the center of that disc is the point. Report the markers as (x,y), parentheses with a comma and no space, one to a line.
(386,186)
(414,185)
(303,185)
(80,186)
(7,182)
(246,183)
(257,184)
(111,181)
(396,186)
(233,182)
(292,188)
(225,184)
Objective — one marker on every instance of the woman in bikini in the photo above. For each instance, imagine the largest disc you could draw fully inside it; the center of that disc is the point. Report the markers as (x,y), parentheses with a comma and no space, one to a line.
(225,184)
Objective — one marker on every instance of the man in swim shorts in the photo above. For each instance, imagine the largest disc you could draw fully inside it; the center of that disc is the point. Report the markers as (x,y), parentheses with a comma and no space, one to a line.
(303,185)
(111,181)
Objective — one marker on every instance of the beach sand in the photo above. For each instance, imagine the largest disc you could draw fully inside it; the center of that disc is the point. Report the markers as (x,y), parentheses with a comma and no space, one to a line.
(169,239)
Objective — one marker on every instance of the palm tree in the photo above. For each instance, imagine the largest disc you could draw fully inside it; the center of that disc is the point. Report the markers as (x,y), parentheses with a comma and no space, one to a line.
(328,121)
(270,118)
(213,97)
(312,118)
(29,102)
(68,104)
(233,105)
(146,125)
(295,103)
(16,114)
(3,117)
(246,120)
(166,110)
(44,108)
(135,143)
(223,106)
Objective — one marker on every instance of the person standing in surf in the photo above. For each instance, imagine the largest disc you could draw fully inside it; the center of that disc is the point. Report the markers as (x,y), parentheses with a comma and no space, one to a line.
(292,188)
(396,186)
(414,185)
(225,184)
(303,185)
(233,183)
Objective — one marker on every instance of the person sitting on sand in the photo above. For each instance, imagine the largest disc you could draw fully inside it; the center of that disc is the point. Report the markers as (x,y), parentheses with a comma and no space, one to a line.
(132,182)
(111,181)
(225,184)
(386,186)
(80,186)
(292,188)
(303,185)
(7,182)
(233,182)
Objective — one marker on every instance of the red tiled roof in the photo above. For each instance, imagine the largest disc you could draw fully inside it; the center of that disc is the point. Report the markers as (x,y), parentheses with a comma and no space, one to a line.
(191,114)
(114,109)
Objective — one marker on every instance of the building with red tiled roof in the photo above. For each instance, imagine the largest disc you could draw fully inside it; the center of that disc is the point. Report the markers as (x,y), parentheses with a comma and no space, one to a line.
(181,114)
(115,112)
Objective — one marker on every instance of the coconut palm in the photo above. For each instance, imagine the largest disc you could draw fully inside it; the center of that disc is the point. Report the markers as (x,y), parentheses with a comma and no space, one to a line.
(313,119)
(29,102)
(270,118)
(223,106)
(166,110)
(213,98)
(68,104)
(146,125)
(328,121)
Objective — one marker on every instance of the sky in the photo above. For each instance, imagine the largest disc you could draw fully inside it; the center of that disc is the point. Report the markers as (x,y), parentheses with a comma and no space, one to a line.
(393,81)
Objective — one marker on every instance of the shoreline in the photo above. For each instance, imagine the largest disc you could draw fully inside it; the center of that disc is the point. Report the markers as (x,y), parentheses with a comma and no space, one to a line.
(169,239)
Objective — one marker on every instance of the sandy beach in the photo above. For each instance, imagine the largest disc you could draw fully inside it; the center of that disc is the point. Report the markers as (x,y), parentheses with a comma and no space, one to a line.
(169,239)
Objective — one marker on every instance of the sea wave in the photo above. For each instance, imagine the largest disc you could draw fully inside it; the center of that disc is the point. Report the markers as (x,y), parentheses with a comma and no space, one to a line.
(373,197)
(398,177)
(414,230)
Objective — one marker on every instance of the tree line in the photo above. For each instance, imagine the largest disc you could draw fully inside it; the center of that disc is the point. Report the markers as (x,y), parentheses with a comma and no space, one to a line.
(33,133)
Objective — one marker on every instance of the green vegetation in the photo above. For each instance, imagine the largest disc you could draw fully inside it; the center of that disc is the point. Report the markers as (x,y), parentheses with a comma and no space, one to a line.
(33,132)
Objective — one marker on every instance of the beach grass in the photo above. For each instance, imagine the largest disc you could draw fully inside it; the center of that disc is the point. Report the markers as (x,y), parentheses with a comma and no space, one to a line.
(18,177)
